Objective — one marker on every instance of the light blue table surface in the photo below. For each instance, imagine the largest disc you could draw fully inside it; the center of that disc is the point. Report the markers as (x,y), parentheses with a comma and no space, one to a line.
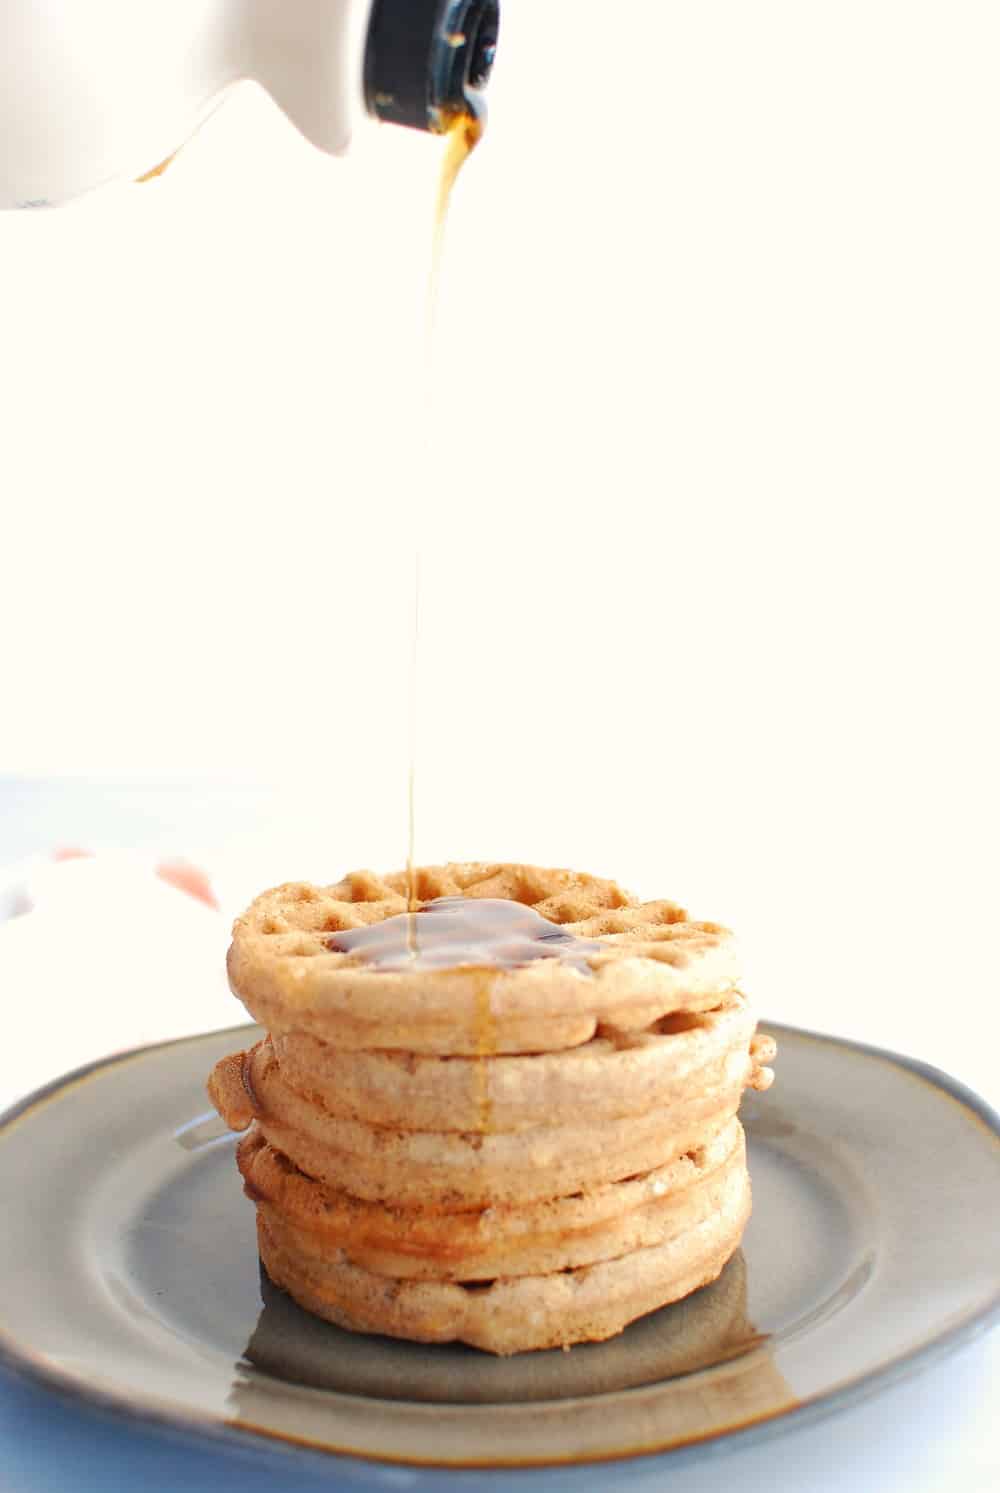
(922,1436)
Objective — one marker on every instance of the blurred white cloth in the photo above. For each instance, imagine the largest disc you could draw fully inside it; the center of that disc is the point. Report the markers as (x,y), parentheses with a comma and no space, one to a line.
(110,957)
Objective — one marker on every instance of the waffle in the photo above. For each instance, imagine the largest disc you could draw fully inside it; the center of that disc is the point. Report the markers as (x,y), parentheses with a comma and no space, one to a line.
(562,1233)
(653,961)
(450,1170)
(615,1073)
(513,1315)
(515,1155)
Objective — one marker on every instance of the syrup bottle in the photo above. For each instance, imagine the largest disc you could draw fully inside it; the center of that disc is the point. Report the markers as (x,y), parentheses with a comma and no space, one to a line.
(95,92)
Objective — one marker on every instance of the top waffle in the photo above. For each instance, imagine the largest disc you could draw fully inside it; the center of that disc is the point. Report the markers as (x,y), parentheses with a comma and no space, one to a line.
(652,961)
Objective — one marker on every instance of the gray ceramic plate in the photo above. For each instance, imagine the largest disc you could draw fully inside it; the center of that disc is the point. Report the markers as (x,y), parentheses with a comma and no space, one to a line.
(129,1276)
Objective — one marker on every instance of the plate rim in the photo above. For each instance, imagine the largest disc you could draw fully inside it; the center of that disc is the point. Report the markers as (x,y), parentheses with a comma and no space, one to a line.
(220,1433)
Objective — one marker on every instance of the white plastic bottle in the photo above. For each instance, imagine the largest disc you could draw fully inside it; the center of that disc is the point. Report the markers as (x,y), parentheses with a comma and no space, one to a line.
(96,90)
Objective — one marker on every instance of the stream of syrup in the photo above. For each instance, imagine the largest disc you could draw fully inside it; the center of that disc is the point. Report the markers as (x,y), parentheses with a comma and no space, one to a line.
(462,133)
(459,931)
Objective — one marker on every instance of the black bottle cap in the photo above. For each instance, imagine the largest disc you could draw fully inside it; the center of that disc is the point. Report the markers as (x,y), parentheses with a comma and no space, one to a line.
(427,60)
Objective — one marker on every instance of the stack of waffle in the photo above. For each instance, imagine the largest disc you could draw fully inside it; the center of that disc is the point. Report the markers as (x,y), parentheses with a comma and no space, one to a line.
(504,1114)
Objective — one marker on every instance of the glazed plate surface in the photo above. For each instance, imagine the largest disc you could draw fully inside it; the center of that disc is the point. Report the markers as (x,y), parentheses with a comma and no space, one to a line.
(129,1277)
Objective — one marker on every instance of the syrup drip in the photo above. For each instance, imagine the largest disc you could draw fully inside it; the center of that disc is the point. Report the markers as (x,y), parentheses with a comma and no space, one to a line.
(404,942)
(486,1046)
(462,133)
(157,170)
(480,933)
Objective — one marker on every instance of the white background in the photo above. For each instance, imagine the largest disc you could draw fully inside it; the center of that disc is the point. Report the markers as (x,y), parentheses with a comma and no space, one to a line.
(709,578)
(704,481)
